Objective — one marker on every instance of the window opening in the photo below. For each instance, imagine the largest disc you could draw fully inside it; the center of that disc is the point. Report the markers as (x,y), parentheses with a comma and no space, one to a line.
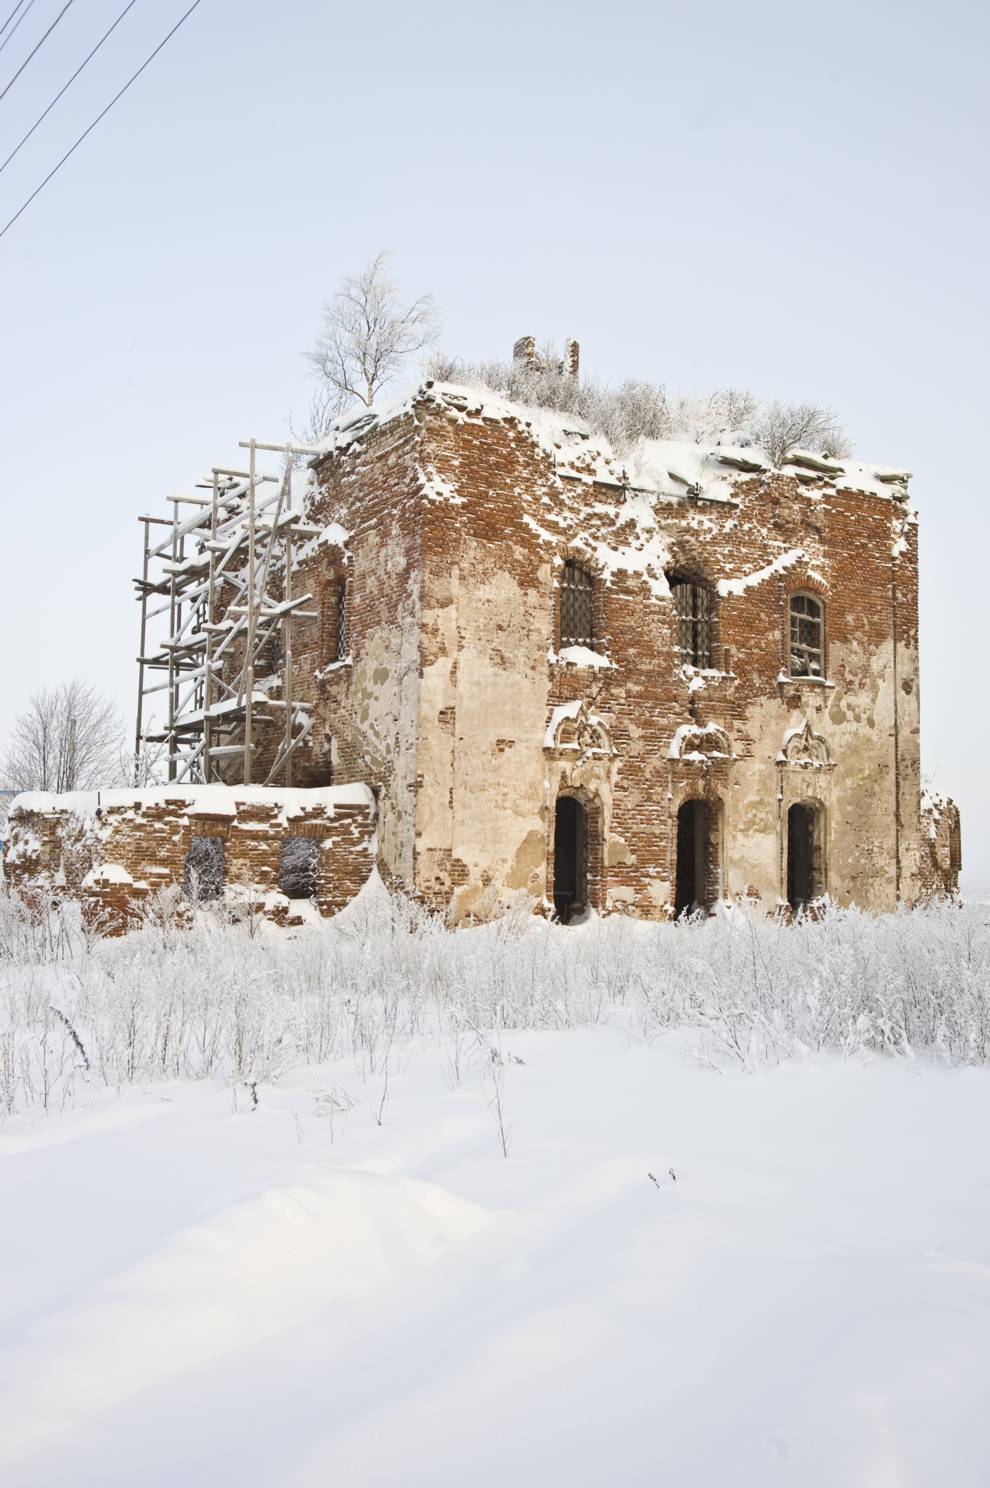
(570,858)
(805,880)
(204,871)
(807,636)
(576,606)
(297,868)
(341,620)
(694,605)
(694,849)
(335,619)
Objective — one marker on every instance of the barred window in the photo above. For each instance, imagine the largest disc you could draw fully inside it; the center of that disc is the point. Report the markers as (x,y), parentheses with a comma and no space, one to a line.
(335,619)
(576,606)
(297,873)
(694,605)
(341,620)
(204,869)
(807,636)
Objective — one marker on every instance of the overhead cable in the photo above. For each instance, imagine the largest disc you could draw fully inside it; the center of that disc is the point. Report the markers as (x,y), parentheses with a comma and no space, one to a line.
(58,95)
(10,18)
(36,48)
(102,115)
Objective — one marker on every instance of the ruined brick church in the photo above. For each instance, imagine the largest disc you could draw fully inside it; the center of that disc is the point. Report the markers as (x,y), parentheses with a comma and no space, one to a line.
(636,684)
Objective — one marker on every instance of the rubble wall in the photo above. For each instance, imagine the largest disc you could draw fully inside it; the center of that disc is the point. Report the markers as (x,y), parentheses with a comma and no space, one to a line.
(115,850)
(941,843)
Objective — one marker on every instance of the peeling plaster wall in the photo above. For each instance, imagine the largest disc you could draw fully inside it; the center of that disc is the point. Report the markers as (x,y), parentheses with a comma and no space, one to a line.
(481,821)
(367,704)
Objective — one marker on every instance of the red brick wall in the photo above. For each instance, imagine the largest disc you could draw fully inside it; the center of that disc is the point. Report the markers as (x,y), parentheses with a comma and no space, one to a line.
(147,834)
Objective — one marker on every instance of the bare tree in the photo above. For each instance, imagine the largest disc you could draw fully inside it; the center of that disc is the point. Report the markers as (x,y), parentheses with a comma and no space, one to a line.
(316,423)
(366,336)
(67,738)
(786,426)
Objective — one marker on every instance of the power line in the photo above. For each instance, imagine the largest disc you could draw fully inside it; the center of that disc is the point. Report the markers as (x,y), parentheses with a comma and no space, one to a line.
(14,27)
(41,117)
(11,16)
(73,148)
(37,48)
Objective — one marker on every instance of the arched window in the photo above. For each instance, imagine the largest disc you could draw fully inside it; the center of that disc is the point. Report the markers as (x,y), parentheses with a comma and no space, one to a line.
(697,870)
(577,626)
(570,858)
(806,623)
(805,854)
(694,605)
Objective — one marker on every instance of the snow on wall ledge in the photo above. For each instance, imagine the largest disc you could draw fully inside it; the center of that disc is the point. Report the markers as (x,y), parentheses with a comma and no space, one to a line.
(113,850)
(201,800)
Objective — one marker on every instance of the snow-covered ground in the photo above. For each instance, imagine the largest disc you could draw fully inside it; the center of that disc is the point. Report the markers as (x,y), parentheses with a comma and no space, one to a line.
(696,1265)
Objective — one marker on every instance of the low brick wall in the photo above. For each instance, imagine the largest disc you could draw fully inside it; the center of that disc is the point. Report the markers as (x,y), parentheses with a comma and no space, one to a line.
(113,850)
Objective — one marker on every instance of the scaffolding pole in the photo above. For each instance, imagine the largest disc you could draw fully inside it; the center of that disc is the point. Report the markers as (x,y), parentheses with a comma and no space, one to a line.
(225,574)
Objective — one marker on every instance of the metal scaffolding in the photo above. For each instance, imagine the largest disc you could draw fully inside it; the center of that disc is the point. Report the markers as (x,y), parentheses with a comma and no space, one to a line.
(219,623)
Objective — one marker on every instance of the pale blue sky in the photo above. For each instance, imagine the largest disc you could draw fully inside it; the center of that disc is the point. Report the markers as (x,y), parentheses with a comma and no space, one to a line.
(786,197)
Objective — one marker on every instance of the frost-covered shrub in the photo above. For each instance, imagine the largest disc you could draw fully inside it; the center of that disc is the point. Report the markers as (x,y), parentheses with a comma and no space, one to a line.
(198,996)
(635,409)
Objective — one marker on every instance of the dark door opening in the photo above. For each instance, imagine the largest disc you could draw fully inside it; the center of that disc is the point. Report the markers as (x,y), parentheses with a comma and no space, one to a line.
(693,852)
(802,879)
(570,858)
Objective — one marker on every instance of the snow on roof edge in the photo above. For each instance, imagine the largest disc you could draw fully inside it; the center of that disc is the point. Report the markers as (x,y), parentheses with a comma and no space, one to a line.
(667,467)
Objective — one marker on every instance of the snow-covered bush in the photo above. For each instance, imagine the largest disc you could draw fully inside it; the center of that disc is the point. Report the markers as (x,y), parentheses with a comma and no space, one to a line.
(214,1001)
(635,409)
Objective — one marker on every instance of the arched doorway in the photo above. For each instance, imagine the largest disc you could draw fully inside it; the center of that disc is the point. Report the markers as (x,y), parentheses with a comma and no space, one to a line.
(570,858)
(695,868)
(805,867)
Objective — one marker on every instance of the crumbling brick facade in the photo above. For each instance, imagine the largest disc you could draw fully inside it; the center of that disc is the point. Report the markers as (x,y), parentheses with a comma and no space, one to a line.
(452,520)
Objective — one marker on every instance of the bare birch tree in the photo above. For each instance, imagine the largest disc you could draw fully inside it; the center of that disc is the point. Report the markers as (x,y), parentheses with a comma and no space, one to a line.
(67,738)
(366,336)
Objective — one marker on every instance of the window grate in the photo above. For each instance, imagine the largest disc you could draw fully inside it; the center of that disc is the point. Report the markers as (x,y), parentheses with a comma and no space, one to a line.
(341,620)
(334,619)
(694,605)
(807,635)
(204,871)
(576,606)
(297,875)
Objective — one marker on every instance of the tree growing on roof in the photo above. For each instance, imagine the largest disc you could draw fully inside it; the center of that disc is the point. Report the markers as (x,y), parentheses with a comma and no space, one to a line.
(67,738)
(367,334)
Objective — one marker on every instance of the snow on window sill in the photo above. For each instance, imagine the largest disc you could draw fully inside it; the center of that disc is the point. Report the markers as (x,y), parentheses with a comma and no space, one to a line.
(580,656)
(785,680)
